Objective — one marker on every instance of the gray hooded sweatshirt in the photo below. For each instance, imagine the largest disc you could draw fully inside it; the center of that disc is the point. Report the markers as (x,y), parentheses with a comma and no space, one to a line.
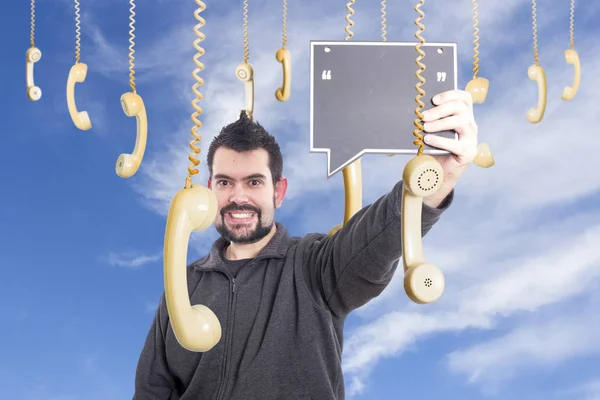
(282,313)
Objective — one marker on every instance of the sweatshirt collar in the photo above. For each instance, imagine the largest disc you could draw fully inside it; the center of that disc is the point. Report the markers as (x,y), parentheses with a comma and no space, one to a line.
(276,248)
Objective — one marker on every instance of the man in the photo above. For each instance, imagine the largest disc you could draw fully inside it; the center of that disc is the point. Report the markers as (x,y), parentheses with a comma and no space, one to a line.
(282,301)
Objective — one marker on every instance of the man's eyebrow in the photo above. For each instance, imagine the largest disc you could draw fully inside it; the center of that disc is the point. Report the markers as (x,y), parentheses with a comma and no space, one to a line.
(252,176)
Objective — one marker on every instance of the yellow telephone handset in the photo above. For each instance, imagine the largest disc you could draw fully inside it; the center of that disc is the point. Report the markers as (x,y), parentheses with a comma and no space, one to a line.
(478,88)
(422,176)
(196,327)
(133,106)
(193,208)
(352,193)
(536,73)
(284,57)
(77,74)
(245,73)
(423,282)
(33,55)
(572,58)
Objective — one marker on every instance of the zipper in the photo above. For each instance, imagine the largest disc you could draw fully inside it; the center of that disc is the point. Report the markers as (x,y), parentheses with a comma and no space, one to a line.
(228,341)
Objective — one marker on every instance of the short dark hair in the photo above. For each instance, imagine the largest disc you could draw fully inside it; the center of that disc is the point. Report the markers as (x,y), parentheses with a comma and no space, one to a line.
(247,135)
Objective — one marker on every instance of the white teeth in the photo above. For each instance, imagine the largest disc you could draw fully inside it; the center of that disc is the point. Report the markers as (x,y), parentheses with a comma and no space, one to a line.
(241,215)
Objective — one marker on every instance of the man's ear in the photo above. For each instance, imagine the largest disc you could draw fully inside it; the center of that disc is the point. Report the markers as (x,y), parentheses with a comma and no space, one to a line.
(208,183)
(280,190)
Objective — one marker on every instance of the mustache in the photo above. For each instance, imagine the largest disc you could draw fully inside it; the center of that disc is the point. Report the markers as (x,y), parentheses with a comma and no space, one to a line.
(237,208)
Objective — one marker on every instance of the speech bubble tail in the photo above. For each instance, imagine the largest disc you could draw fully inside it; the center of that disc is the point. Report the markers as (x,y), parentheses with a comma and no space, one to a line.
(338,160)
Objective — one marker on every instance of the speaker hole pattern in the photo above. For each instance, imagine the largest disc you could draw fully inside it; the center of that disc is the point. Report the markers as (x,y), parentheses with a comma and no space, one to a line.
(427,180)
(428,282)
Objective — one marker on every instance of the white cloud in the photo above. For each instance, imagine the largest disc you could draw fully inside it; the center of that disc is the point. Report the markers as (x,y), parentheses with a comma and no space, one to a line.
(131,259)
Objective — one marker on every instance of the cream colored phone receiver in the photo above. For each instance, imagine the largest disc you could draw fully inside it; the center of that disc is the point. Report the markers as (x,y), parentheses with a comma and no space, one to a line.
(536,73)
(423,282)
(245,73)
(133,106)
(284,57)
(572,58)
(77,74)
(196,327)
(478,88)
(33,55)
(352,193)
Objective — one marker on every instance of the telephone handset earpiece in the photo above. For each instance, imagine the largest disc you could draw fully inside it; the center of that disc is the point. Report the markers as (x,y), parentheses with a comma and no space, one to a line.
(133,106)
(284,57)
(33,55)
(245,73)
(196,327)
(423,282)
(352,193)
(77,74)
(572,58)
(193,209)
(353,172)
(536,73)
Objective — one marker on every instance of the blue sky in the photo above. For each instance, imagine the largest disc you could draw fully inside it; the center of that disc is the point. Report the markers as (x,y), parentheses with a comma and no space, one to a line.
(81,248)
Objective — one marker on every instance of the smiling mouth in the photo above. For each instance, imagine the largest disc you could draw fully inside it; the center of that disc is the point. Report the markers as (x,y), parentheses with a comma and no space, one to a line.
(240,216)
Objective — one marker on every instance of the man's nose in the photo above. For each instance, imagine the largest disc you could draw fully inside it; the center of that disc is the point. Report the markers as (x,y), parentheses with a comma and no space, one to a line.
(238,196)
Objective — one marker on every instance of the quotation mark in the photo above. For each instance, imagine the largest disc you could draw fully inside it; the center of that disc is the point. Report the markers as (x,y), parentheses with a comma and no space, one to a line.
(441,77)
(326,75)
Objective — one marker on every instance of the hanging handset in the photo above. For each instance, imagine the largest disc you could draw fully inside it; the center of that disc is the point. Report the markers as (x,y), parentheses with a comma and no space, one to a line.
(536,73)
(77,74)
(193,208)
(33,55)
(133,106)
(352,193)
(478,88)
(422,176)
(245,73)
(284,57)
(572,58)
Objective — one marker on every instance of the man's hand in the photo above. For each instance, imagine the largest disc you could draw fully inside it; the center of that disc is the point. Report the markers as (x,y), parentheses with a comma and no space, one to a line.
(453,111)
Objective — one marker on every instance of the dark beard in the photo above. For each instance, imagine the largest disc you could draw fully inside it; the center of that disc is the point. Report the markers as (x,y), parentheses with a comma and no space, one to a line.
(257,234)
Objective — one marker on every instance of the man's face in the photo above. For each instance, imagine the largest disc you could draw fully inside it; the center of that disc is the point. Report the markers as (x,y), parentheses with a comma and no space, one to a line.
(245,193)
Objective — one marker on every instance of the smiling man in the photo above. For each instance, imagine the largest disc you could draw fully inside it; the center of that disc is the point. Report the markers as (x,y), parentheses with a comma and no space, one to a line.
(282,300)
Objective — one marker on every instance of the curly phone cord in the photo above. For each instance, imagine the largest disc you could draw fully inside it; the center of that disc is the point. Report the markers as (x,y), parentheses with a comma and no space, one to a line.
(131,45)
(421,92)
(476,41)
(199,96)
(32,34)
(77,33)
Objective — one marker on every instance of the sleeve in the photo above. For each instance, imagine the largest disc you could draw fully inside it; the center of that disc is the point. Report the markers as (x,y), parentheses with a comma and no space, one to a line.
(153,379)
(347,270)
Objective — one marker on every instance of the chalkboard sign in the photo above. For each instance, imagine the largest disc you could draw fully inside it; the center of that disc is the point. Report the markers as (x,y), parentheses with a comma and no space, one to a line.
(362,96)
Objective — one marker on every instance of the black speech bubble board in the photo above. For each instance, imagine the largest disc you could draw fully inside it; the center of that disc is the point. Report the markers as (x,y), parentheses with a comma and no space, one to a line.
(362,97)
